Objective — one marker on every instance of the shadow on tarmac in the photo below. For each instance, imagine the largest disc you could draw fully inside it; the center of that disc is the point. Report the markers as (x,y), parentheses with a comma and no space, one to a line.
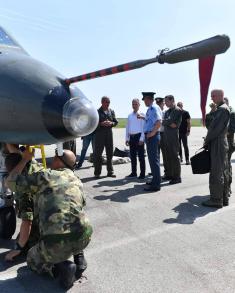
(5,265)
(113,183)
(189,211)
(121,195)
(28,281)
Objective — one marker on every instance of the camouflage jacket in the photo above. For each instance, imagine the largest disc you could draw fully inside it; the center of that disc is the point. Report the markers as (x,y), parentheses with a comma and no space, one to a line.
(24,200)
(58,200)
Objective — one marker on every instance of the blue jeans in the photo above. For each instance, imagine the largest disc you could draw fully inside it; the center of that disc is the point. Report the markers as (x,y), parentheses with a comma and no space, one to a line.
(86,140)
(152,145)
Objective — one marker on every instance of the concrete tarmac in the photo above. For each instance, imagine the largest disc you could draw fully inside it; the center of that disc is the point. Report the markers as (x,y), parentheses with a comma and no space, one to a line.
(162,242)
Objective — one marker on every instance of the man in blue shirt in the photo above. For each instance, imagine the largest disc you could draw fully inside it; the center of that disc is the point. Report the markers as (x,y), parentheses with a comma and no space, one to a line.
(152,138)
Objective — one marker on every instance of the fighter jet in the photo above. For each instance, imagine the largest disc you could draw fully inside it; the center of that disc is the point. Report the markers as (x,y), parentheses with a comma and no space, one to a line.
(36,104)
(40,106)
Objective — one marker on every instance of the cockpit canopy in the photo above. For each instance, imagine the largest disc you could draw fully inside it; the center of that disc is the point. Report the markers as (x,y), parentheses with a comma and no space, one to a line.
(6,41)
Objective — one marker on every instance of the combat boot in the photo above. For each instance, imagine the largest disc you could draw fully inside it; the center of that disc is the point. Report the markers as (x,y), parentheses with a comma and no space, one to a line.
(66,273)
(81,264)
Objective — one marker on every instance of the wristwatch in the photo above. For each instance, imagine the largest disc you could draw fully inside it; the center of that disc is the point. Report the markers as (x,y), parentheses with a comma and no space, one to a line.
(18,247)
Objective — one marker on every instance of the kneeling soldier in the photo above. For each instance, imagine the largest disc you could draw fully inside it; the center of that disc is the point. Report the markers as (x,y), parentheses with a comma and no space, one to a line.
(58,207)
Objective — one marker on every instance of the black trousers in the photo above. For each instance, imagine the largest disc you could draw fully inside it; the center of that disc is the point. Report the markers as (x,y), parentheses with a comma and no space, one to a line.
(184,139)
(103,139)
(136,149)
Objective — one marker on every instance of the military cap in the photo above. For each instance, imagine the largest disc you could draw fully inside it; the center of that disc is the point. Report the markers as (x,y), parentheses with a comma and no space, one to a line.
(148,94)
(159,100)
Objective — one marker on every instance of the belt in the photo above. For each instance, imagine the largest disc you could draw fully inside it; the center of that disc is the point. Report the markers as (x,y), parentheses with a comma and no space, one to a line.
(131,135)
(151,131)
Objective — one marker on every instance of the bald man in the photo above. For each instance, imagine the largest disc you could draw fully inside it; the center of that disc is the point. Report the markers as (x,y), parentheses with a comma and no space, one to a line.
(216,142)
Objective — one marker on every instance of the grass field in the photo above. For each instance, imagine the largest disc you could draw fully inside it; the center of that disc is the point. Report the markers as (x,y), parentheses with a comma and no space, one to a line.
(196,122)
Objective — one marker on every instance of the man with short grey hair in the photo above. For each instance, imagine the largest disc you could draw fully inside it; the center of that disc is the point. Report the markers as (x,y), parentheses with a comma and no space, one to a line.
(216,142)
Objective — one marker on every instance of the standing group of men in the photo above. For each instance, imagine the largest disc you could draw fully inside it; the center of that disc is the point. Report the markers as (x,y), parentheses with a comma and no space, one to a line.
(165,130)
(159,129)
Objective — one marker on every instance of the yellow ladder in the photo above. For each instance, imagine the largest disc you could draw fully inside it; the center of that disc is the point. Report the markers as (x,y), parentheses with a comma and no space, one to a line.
(42,148)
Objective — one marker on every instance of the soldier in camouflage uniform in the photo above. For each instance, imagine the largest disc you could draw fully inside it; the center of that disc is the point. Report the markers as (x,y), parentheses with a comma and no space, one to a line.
(58,207)
(171,123)
(230,137)
(216,141)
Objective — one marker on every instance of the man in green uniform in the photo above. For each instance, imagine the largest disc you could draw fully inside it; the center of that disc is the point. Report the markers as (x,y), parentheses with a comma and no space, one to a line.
(103,138)
(58,207)
(230,137)
(216,141)
(171,123)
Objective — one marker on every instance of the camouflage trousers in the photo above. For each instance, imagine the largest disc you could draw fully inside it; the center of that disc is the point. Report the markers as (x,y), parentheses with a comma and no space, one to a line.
(55,249)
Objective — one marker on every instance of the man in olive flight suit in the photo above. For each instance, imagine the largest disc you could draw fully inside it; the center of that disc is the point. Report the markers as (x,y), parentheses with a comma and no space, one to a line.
(216,141)
(230,137)
(171,123)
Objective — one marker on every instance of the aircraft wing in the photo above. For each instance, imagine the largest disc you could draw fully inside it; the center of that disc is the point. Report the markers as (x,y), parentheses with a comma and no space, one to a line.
(8,42)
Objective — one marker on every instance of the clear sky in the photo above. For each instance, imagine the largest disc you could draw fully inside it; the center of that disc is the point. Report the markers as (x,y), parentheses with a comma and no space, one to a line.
(77,37)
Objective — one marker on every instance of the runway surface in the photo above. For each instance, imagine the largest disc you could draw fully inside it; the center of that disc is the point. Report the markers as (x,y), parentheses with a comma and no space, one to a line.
(146,242)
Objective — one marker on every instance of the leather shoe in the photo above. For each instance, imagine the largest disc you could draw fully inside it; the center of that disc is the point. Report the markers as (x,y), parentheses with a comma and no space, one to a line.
(166,178)
(151,189)
(141,177)
(148,182)
(187,162)
(131,175)
(175,181)
(111,175)
(97,176)
(212,204)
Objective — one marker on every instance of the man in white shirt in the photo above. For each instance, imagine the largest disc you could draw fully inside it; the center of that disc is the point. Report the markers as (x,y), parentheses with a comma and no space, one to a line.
(135,139)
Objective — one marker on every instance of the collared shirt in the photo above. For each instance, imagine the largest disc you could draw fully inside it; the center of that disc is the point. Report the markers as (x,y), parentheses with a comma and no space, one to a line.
(134,126)
(153,115)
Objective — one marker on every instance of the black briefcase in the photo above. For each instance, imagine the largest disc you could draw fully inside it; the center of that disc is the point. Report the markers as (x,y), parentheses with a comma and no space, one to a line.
(200,162)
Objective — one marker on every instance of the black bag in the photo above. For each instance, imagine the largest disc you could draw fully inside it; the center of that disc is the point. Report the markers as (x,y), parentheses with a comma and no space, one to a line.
(120,153)
(200,162)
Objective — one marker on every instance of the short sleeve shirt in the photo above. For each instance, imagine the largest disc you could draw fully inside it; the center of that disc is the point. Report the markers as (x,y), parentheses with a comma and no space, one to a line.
(153,115)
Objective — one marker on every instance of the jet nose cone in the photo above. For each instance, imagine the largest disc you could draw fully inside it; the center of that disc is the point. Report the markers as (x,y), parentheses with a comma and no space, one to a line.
(80,117)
